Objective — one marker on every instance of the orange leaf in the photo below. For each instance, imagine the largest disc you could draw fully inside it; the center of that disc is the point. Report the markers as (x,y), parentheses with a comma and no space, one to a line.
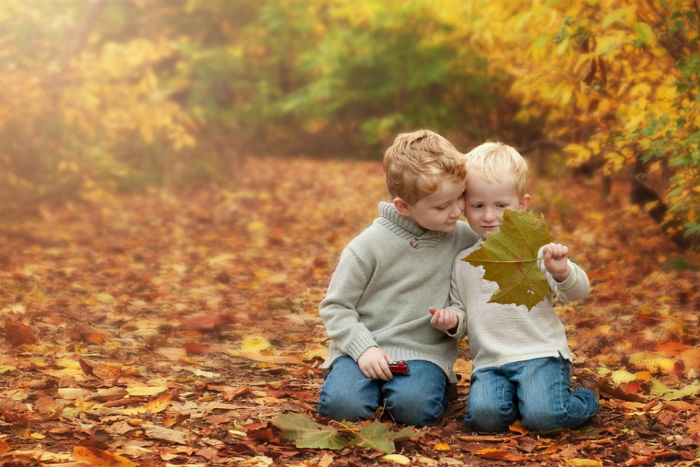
(496,453)
(229,392)
(5,447)
(98,458)
(155,406)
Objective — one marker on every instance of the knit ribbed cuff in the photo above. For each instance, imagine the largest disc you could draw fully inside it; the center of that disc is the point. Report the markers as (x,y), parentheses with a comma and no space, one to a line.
(571,281)
(361,344)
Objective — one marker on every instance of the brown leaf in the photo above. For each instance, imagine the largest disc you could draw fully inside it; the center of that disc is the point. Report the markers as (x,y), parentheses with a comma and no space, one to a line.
(86,367)
(229,392)
(165,434)
(195,348)
(18,333)
(207,322)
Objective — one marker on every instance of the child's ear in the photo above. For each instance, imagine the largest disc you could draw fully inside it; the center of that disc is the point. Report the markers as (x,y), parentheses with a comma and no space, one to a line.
(402,206)
(525,201)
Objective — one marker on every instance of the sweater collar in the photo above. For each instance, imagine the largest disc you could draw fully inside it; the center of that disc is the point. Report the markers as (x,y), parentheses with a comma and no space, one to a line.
(403,226)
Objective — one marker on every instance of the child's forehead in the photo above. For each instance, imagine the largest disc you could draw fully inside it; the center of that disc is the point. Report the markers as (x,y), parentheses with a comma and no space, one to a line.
(505,186)
(483,178)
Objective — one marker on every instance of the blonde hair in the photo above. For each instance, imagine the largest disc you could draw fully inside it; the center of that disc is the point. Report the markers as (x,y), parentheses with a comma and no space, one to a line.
(496,162)
(418,162)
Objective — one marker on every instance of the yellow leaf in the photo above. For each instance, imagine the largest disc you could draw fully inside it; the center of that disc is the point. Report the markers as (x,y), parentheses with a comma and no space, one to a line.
(6,369)
(651,361)
(255,344)
(606,45)
(622,376)
(146,390)
(220,260)
(442,447)
(578,462)
(396,459)
(155,406)
(105,298)
(258,357)
(256,226)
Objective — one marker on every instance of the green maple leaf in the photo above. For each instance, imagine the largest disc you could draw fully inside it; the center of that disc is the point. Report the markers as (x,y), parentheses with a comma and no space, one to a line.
(308,434)
(509,257)
(377,436)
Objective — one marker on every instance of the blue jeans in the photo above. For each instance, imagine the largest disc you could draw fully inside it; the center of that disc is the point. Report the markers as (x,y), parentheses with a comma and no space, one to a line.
(418,398)
(536,391)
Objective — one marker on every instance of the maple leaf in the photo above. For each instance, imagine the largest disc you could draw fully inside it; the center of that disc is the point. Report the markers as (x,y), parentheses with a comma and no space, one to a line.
(308,434)
(509,257)
(377,436)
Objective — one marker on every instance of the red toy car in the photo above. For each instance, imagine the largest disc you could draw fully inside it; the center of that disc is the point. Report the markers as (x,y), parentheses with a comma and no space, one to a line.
(399,367)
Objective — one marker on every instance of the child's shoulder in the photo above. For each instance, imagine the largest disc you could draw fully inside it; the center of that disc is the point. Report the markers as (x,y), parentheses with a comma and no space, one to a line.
(465,235)
(468,251)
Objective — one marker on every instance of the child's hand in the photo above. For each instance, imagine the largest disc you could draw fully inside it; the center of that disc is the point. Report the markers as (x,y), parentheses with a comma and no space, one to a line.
(555,257)
(443,319)
(373,364)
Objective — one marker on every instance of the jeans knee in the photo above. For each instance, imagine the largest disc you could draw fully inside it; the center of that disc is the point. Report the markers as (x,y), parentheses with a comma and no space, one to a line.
(490,417)
(416,411)
(338,407)
(542,421)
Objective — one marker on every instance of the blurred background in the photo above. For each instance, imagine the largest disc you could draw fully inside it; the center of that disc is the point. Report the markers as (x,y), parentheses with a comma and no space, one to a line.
(112,96)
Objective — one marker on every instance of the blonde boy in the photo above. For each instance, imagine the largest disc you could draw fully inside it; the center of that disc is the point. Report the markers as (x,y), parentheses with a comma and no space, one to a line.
(375,310)
(521,360)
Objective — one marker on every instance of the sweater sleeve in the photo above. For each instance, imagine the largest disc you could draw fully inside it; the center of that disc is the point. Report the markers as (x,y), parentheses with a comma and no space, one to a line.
(574,288)
(338,308)
(457,301)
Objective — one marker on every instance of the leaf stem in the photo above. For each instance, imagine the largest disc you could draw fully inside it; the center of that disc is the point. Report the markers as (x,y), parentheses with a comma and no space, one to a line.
(516,261)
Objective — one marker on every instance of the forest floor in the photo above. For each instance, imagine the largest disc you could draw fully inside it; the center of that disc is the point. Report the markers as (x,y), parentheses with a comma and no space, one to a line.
(162,329)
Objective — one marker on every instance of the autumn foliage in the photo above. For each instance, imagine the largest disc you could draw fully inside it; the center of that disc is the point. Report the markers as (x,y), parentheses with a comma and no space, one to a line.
(173,328)
(178,178)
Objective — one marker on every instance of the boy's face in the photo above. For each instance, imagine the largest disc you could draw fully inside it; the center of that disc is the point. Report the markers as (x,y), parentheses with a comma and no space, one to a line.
(485,203)
(438,211)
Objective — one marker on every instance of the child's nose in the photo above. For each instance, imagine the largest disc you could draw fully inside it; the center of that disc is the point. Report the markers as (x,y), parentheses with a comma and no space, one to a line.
(460,208)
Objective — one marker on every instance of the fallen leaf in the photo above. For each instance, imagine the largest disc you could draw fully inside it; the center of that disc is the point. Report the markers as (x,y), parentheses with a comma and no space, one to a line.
(651,361)
(279,359)
(396,459)
(145,390)
(578,462)
(661,390)
(165,434)
(155,406)
(307,434)
(98,458)
(499,454)
(18,333)
(255,344)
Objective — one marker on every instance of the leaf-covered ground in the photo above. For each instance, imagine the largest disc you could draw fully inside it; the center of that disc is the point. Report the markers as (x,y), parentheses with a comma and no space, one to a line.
(171,329)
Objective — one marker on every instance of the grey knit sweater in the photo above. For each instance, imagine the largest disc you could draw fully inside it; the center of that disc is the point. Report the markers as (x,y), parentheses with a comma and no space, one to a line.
(386,279)
(500,334)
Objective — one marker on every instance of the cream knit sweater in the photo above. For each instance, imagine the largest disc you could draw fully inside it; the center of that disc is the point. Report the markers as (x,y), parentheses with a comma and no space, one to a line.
(499,334)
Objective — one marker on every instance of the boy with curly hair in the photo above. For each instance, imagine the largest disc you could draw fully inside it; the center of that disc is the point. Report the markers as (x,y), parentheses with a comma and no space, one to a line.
(375,310)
